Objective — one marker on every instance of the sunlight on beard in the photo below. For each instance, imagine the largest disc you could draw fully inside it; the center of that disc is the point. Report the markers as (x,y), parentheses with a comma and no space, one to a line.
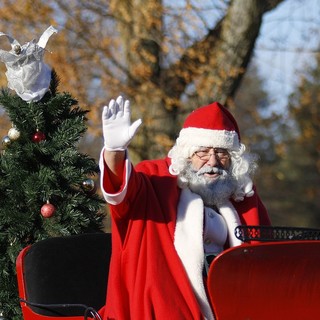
(214,192)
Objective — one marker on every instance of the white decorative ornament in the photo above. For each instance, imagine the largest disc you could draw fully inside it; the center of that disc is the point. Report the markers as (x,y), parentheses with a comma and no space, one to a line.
(13,133)
(27,74)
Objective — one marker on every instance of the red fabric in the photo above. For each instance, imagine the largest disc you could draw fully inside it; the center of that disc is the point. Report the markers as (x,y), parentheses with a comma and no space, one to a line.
(147,279)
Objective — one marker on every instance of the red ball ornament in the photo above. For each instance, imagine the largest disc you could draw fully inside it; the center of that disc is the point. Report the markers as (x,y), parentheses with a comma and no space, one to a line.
(38,137)
(48,210)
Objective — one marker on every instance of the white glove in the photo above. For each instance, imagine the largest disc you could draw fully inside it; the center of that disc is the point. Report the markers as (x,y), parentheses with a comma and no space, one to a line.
(116,125)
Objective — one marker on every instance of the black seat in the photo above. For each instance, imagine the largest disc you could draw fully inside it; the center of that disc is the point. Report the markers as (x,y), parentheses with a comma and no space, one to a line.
(69,270)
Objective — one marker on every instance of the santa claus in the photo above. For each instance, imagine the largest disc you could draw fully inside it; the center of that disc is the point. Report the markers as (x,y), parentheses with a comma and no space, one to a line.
(171,217)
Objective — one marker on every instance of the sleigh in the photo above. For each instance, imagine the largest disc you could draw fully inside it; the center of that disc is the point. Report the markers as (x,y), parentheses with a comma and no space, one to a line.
(274,274)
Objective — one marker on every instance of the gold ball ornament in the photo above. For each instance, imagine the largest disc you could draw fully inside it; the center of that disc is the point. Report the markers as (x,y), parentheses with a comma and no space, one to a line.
(14,134)
(88,185)
(6,141)
(17,49)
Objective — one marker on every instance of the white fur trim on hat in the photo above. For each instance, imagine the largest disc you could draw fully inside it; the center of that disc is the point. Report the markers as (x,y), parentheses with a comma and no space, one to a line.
(190,137)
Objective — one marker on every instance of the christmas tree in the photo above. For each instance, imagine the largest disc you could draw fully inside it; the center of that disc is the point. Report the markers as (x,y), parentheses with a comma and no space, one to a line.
(47,186)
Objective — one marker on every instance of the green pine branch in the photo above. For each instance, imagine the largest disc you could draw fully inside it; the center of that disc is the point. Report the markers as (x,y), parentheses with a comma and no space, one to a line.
(34,172)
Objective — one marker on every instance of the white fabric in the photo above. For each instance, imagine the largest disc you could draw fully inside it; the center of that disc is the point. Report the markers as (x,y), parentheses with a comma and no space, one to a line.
(232,219)
(188,241)
(116,125)
(215,232)
(26,73)
(190,137)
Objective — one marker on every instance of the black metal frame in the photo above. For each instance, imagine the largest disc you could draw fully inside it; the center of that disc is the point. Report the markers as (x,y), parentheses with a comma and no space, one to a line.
(270,233)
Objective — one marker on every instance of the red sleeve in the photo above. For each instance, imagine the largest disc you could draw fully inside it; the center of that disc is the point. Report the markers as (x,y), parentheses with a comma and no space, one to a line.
(107,185)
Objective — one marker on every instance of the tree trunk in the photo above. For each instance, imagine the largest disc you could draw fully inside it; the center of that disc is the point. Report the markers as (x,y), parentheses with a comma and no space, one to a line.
(219,60)
(214,65)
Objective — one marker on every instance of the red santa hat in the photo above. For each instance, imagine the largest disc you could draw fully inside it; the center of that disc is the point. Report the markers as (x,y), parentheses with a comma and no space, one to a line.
(209,126)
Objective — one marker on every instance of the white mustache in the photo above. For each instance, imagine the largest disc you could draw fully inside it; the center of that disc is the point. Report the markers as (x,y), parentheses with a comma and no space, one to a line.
(212,170)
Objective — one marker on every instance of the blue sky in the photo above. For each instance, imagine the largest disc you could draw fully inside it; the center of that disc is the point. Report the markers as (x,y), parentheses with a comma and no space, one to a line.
(289,37)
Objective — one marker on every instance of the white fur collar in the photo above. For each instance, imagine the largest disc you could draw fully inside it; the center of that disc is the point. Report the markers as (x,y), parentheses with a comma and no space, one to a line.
(232,219)
(188,242)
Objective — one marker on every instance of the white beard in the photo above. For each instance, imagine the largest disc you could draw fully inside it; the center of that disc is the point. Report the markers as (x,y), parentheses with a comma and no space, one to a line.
(213,192)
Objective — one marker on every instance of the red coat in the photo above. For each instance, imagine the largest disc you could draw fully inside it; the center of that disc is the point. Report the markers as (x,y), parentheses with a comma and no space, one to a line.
(147,279)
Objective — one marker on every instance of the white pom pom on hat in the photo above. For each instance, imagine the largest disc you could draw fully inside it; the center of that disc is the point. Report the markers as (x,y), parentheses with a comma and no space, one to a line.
(209,126)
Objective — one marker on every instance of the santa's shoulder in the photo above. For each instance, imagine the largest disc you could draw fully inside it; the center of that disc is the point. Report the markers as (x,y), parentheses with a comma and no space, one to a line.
(158,167)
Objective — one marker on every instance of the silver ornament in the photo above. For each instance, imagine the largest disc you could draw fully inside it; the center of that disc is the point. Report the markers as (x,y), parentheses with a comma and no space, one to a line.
(6,141)
(88,185)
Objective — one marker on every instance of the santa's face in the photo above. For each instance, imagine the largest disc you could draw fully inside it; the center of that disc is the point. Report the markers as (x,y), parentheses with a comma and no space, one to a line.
(210,158)
(208,175)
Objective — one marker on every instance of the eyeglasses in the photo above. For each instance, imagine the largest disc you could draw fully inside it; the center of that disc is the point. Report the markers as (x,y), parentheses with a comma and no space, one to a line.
(205,154)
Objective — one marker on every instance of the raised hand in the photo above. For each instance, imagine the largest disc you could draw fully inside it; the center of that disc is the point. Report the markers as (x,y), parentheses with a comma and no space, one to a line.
(116,125)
